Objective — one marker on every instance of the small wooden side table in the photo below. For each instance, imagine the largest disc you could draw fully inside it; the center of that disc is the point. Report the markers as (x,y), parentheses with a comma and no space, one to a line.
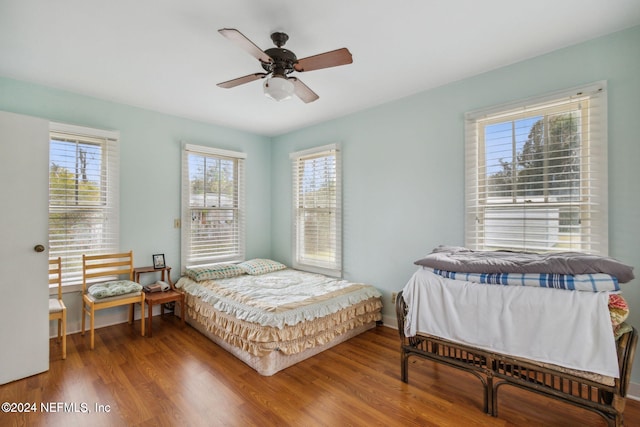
(153,298)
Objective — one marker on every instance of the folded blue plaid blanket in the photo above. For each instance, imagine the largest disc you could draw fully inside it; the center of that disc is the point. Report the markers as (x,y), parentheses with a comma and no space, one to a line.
(596,282)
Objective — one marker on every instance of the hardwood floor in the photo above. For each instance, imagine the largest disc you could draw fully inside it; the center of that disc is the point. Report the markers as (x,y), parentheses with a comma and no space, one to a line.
(178,377)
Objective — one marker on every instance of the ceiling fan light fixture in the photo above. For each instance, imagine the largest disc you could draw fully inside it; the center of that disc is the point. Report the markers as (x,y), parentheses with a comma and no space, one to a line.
(278,88)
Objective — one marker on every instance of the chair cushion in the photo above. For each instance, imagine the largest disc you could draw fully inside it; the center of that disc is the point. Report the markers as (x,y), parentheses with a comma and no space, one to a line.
(55,305)
(115,298)
(114,288)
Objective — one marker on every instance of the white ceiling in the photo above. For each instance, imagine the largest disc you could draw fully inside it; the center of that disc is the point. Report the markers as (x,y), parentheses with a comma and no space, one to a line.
(167,56)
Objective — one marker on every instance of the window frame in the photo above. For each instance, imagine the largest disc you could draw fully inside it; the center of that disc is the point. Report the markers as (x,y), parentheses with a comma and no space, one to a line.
(108,203)
(305,261)
(188,258)
(589,204)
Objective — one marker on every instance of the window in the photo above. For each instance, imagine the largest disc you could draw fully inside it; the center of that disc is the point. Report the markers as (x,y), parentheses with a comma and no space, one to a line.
(536,175)
(317,224)
(213,218)
(83,195)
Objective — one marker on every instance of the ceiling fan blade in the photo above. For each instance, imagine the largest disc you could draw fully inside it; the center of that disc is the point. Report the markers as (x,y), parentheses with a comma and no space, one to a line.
(302,91)
(244,43)
(324,60)
(242,80)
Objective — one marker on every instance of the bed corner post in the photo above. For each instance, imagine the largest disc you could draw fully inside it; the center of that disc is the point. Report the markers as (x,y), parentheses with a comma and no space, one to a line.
(401,311)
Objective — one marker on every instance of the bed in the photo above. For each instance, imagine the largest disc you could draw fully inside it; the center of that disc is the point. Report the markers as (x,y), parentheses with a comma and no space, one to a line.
(552,324)
(270,316)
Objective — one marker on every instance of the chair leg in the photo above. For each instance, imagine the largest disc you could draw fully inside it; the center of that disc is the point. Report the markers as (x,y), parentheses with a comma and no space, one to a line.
(84,315)
(92,325)
(141,314)
(64,334)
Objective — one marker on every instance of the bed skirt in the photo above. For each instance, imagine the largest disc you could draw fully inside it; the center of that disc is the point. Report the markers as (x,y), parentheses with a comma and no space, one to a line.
(254,345)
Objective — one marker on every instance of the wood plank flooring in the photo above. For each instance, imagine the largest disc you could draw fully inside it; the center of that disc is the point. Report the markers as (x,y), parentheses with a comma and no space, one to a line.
(179,378)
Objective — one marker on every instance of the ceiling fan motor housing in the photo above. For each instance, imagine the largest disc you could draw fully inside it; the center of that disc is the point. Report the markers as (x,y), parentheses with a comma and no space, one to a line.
(283,60)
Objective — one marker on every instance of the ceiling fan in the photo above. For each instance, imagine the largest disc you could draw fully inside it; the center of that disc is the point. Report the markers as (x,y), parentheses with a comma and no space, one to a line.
(279,62)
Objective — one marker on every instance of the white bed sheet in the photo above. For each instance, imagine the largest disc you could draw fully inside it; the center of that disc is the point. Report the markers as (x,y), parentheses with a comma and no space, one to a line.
(565,328)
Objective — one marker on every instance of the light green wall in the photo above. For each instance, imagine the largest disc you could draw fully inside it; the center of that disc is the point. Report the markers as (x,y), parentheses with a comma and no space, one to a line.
(403,163)
(150,165)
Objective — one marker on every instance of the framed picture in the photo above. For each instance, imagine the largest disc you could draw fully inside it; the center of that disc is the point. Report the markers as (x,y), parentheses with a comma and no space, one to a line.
(158,261)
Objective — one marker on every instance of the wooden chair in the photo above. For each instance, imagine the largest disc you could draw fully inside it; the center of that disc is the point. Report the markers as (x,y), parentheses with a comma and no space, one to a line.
(102,288)
(57,309)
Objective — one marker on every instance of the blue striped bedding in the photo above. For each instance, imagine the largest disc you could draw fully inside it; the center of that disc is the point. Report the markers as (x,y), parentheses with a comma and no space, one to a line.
(596,282)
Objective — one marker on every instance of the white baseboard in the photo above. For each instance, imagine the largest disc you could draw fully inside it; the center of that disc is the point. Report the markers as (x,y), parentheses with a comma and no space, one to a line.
(634,391)
(104,318)
(390,321)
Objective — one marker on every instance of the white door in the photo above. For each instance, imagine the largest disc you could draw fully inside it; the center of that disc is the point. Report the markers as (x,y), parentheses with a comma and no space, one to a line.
(24,291)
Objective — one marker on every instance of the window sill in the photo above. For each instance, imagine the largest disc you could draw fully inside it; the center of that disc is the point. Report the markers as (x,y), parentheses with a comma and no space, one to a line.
(66,289)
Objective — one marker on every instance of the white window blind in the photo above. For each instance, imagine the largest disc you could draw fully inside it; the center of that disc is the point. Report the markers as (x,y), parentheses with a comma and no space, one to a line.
(213,214)
(536,174)
(317,210)
(83,195)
